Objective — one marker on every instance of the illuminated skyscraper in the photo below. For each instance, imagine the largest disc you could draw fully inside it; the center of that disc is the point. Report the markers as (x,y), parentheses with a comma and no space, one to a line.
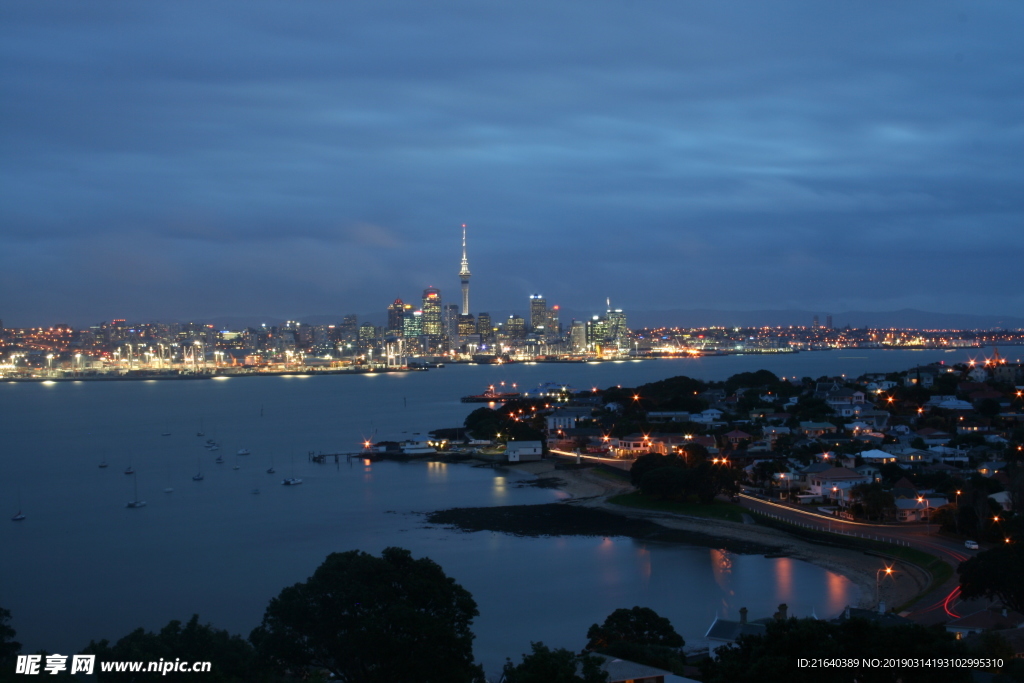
(432,312)
(464,274)
(395,313)
(538,313)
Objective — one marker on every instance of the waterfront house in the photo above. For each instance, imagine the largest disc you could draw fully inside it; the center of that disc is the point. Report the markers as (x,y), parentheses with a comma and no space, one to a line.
(724,632)
(523,451)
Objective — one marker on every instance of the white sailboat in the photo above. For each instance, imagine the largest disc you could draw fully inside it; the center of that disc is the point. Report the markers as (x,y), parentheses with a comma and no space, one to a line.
(292,480)
(136,503)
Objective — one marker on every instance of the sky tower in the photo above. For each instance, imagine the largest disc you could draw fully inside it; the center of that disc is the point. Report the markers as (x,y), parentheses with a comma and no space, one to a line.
(464,274)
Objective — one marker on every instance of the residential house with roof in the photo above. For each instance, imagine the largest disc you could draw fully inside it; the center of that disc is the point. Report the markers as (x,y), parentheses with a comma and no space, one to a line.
(877,457)
(736,436)
(920,509)
(725,632)
(830,481)
(815,430)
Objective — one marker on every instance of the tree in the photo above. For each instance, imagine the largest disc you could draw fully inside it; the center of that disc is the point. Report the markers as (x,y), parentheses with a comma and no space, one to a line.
(370,619)
(651,461)
(545,665)
(995,573)
(640,635)
(234,658)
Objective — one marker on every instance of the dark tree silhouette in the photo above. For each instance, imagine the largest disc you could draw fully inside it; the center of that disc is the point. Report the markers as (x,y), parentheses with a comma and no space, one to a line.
(368,619)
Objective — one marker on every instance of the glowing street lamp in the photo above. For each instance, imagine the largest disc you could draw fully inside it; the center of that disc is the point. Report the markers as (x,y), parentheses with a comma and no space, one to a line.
(878,582)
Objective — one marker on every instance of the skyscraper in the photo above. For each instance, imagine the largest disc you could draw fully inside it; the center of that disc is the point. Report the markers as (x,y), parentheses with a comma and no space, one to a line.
(464,274)
(395,313)
(538,313)
(484,326)
(432,312)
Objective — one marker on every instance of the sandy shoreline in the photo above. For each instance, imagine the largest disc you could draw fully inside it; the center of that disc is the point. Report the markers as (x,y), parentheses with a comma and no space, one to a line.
(588,488)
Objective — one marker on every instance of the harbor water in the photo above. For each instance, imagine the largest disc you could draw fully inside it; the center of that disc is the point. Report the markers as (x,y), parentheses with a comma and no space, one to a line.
(82,566)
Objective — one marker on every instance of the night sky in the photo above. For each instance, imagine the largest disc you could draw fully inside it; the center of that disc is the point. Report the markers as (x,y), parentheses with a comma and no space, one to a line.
(189,160)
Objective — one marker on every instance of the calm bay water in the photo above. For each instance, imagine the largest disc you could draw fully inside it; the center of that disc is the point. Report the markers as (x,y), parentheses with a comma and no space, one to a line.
(83,566)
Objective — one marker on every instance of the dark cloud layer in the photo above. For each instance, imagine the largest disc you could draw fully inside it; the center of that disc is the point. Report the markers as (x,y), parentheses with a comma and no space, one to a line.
(184,160)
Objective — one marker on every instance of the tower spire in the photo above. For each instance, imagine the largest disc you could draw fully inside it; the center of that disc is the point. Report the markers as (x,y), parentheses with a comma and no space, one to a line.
(464,274)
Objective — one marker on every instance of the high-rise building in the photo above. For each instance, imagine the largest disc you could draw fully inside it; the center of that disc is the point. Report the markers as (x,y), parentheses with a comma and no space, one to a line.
(617,332)
(828,321)
(396,312)
(597,331)
(554,326)
(484,327)
(451,323)
(515,327)
(467,325)
(814,325)
(432,312)
(578,336)
(412,324)
(464,274)
(538,313)
(367,336)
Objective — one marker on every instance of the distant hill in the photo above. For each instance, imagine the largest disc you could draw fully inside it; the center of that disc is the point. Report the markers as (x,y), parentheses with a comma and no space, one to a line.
(906,318)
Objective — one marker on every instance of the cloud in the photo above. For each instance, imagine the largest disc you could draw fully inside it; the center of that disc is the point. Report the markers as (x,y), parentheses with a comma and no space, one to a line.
(589,146)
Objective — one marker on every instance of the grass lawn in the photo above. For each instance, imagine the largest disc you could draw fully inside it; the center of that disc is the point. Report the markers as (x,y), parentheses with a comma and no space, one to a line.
(726,511)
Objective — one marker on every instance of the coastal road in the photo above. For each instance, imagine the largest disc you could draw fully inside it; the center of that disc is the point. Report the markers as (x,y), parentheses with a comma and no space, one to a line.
(937,606)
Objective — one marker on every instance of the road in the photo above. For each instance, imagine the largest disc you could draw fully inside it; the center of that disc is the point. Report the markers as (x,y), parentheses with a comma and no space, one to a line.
(937,606)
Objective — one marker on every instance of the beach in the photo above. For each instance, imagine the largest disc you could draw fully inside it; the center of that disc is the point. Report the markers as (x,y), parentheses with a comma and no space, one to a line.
(586,510)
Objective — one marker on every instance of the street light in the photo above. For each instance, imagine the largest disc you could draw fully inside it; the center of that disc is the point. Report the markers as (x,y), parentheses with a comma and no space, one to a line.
(878,582)
(924,503)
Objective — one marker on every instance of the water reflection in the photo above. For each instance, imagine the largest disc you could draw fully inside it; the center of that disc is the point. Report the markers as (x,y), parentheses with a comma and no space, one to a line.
(721,568)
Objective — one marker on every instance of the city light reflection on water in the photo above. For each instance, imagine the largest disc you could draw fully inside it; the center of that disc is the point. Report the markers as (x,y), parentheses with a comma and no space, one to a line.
(195,550)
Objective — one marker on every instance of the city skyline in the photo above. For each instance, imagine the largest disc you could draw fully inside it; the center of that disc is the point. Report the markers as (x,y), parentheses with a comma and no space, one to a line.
(193,162)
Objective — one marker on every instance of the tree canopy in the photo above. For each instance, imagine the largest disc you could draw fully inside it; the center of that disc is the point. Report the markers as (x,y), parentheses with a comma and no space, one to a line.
(370,619)
(233,658)
(995,573)
(640,635)
(544,665)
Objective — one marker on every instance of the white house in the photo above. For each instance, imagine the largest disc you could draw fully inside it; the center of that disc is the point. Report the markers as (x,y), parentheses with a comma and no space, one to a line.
(523,451)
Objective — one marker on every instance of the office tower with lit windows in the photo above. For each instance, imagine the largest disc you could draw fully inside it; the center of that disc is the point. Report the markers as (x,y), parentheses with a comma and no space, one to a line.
(451,325)
(412,324)
(432,312)
(554,326)
(396,312)
(578,336)
(617,332)
(515,327)
(484,327)
(538,313)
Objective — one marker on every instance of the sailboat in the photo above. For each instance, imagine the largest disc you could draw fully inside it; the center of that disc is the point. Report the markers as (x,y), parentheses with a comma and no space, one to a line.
(18,516)
(271,470)
(136,503)
(129,469)
(103,464)
(292,480)
(201,431)
(198,475)
(167,429)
